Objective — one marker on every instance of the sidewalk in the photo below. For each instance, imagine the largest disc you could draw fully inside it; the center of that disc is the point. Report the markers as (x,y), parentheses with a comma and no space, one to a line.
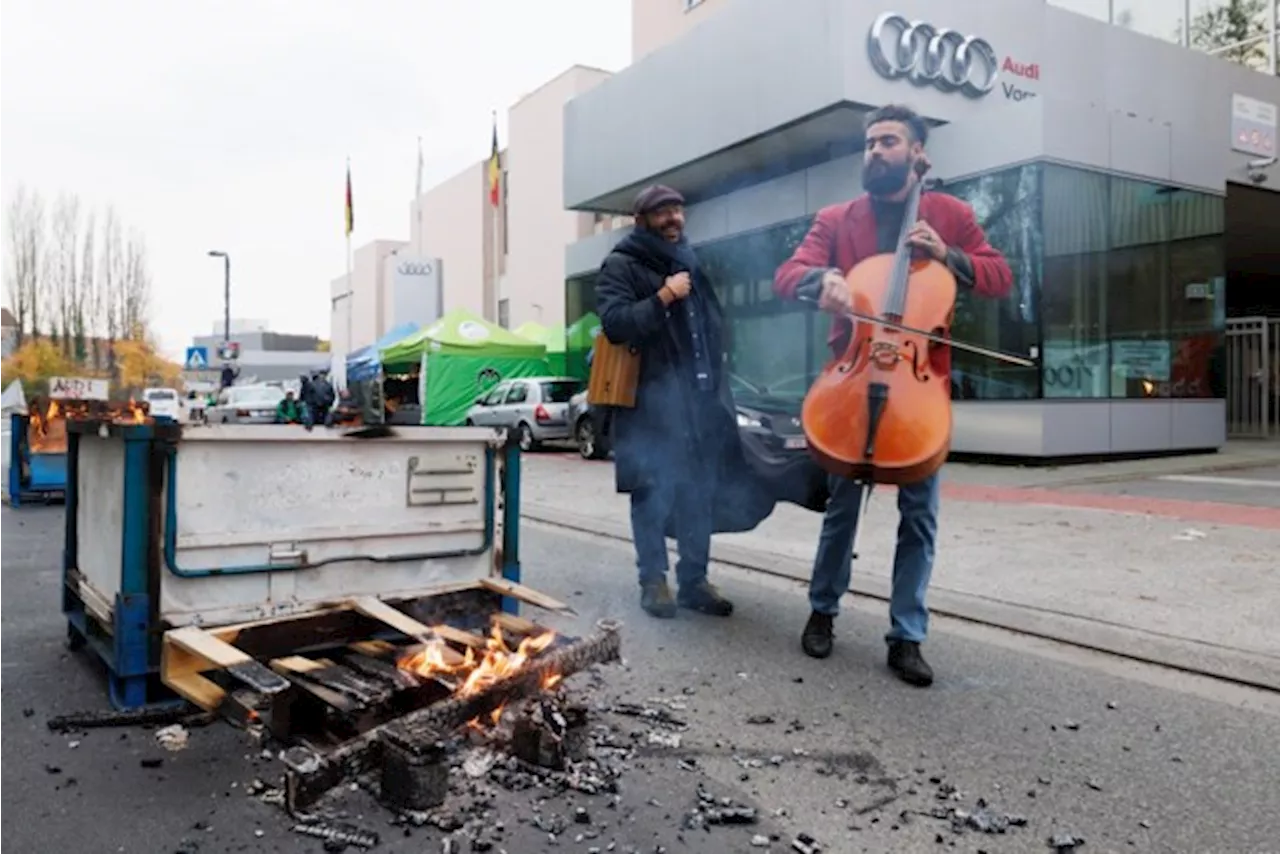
(1189,587)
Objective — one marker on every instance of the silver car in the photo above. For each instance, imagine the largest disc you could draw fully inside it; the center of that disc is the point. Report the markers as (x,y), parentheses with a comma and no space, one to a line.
(536,407)
(246,404)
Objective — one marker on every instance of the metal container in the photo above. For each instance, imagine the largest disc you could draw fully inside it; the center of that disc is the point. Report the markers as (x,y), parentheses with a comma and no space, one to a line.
(229,524)
(32,474)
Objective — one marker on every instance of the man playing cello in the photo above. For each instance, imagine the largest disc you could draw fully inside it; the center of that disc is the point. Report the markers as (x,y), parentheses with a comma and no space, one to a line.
(841,236)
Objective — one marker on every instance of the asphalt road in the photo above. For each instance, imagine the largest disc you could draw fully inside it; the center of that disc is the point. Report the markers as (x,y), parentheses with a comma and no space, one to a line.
(1129,758)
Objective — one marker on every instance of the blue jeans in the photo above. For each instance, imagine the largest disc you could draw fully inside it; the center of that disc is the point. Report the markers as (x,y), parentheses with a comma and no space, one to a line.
(651,507)
(912,559)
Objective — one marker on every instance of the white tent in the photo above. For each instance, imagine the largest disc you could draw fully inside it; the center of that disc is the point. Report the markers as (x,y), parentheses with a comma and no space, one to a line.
(14,401)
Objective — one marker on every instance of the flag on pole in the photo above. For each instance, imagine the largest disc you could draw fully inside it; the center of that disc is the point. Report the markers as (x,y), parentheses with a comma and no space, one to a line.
(495,170)
(351,211)
(418,190)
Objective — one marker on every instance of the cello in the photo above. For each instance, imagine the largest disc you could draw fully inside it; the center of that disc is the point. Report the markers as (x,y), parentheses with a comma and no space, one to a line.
(880,412)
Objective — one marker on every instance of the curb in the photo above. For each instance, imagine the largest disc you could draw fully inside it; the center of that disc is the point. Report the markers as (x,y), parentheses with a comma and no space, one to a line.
(1237,666)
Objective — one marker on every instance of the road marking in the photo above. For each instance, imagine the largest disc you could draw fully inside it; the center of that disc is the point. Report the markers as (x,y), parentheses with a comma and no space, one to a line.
(1220,481)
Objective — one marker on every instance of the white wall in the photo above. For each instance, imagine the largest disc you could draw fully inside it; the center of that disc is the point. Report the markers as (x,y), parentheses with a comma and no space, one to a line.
(454,230)
(655,23)
(539,225)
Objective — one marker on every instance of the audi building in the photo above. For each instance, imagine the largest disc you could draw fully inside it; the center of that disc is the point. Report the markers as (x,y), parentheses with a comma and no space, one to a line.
(1130,182)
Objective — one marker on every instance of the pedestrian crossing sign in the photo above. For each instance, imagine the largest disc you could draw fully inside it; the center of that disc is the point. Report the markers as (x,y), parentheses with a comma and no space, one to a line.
(197,358)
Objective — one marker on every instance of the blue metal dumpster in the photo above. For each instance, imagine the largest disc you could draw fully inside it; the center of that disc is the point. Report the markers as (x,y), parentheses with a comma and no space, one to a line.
(173,532)
(33,474)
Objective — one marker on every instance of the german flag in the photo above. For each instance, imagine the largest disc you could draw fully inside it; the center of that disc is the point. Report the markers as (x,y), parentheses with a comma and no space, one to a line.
(351,211)
(495,168)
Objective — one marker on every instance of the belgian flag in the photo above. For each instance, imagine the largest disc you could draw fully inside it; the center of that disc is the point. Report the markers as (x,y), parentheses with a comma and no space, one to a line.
(351,211)
(495,168)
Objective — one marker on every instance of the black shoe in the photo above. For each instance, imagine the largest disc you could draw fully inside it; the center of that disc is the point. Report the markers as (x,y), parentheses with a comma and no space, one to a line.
(818,635)
(704,598)
(906,661)
(655,597)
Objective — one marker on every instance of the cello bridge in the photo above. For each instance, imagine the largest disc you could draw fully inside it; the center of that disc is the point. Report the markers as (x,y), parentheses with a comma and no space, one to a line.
(884,355)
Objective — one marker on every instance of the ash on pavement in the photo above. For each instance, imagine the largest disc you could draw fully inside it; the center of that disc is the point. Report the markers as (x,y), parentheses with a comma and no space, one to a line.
(1007,740)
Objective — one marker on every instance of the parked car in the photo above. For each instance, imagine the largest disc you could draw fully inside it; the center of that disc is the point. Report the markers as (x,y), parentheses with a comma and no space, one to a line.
(536,407)
(773,420)
(246,404)
(163,403)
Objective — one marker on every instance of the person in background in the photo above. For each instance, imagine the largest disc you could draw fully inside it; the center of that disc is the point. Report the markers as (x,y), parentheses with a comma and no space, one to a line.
(322,399)
(289,410)
(653,296)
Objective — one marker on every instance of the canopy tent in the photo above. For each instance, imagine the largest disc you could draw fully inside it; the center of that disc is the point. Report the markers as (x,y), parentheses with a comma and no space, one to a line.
(463,356)
(580,338)
(366,363)
(554,339)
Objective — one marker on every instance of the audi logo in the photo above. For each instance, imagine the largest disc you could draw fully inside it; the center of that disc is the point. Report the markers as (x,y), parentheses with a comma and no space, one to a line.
(928,56)
(415,268)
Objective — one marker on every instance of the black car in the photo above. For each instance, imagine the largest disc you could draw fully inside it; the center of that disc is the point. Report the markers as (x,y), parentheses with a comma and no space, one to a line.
(772,422)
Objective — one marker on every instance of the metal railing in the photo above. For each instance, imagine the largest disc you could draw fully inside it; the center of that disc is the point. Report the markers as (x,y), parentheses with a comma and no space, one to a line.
(1253,377)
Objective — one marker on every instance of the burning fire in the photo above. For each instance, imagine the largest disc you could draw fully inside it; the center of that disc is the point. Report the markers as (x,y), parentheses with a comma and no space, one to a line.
(47,429)
(476,673)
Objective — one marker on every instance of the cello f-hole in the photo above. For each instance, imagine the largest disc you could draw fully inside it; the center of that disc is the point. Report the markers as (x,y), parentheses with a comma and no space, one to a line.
(918,361)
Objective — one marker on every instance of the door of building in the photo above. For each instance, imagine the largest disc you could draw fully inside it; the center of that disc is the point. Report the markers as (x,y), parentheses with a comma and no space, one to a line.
(1253,377)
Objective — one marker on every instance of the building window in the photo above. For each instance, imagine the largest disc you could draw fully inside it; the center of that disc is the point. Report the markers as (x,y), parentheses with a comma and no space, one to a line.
(1074,360)
(1008,206)
(774,347)
(1133,287)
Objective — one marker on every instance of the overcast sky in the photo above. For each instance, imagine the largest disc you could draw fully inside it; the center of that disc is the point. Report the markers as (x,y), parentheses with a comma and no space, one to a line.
(227,124)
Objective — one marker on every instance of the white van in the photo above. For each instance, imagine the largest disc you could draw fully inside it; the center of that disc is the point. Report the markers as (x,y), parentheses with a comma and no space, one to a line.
(163,402)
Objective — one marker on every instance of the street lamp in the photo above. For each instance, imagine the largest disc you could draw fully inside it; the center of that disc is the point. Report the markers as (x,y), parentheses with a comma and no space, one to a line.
(226,294)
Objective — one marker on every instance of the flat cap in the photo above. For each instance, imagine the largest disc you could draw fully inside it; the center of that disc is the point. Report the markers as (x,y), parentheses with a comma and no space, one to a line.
(651,198)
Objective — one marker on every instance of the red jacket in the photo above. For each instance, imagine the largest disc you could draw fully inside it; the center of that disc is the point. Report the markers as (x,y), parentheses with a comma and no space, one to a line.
(844,234)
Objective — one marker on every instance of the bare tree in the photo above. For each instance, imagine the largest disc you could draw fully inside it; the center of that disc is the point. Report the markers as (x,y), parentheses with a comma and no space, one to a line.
(111,283)
(25,238)
(136,291)
(89,299)
(62,269)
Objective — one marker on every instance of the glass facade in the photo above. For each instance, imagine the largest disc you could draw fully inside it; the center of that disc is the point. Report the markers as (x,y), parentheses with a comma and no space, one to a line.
(1118,288)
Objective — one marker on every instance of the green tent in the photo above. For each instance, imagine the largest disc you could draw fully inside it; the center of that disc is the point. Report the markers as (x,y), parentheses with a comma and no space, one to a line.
(579,339)
(463,356)
(553,339)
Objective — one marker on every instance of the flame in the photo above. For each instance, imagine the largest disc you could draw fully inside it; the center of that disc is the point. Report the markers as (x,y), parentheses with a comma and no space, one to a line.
(47,424)
(478,672)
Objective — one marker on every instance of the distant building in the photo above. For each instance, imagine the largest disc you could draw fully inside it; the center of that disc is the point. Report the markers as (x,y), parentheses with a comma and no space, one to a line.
(9,327)
(265,356)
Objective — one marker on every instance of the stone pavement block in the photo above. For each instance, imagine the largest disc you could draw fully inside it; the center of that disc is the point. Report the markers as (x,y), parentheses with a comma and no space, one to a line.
(1208,585)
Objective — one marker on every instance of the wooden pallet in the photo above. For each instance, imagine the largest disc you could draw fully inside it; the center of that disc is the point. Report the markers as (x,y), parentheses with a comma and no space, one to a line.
(332,673)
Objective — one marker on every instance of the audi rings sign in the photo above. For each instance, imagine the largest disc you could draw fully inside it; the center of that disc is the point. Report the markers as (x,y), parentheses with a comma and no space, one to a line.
(928,56)
(416,290)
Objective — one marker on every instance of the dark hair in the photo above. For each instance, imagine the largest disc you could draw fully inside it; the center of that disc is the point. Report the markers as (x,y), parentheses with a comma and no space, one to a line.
(900,113)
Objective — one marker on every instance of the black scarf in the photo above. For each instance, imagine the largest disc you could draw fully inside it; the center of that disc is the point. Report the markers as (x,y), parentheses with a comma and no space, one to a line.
(668,258)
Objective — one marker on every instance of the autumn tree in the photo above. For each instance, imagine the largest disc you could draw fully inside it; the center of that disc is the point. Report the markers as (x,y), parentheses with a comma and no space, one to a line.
(81,281)
(25,238)
(62,267)
(135,289)
(87,308)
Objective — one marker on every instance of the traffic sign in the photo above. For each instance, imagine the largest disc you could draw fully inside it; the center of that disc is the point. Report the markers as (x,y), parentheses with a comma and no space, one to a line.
(229,351)
(197,358)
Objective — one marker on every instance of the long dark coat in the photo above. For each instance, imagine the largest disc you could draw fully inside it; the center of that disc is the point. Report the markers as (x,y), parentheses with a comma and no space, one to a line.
(674,429)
